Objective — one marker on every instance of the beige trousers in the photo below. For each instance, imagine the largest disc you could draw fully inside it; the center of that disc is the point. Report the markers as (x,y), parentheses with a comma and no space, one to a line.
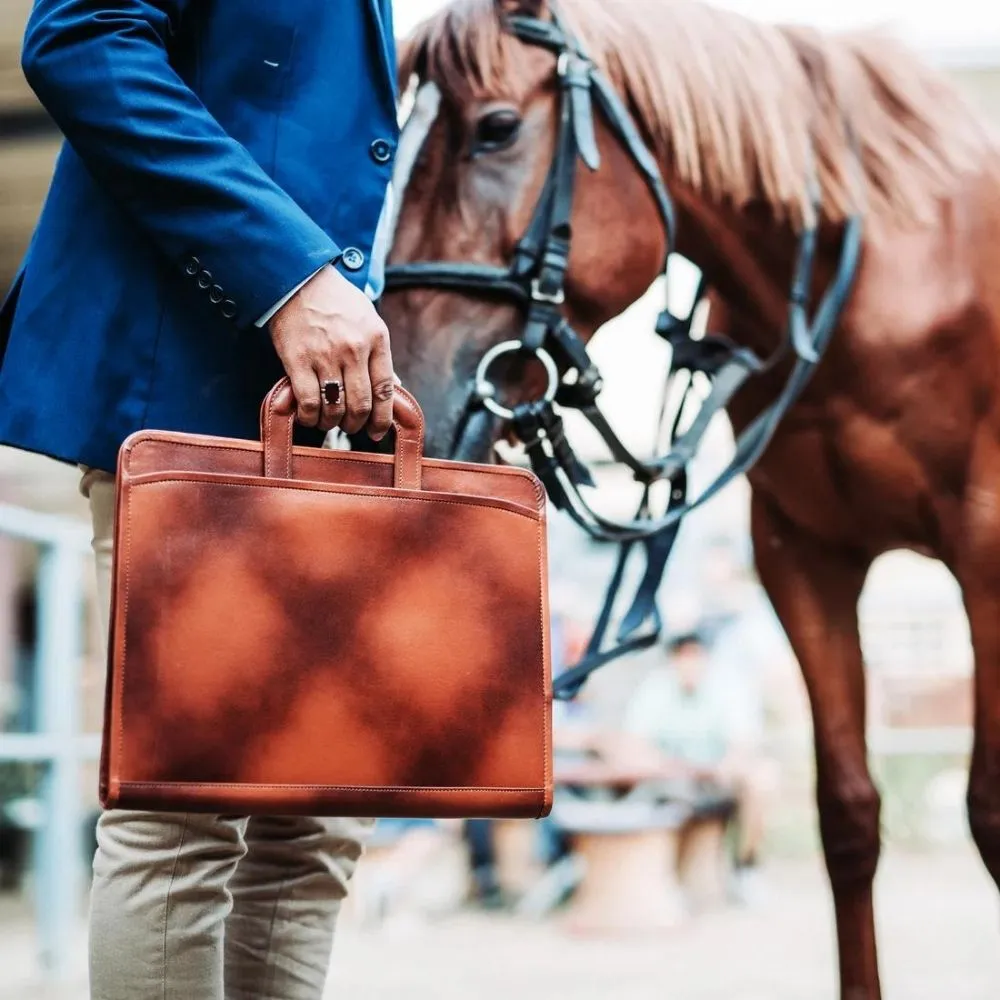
(197,907)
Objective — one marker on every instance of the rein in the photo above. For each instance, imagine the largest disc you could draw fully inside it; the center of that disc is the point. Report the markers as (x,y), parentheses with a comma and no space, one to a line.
(535,281)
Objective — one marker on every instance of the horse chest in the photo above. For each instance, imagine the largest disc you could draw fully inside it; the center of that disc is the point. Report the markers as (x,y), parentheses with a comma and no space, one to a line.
(852,480)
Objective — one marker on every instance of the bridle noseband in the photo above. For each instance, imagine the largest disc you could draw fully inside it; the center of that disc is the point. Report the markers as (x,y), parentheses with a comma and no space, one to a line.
(535,281)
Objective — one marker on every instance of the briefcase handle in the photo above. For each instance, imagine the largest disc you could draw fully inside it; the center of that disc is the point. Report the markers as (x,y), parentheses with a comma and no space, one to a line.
(277,415)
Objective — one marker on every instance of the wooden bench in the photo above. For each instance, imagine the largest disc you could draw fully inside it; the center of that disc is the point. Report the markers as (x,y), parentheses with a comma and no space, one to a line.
(646,865)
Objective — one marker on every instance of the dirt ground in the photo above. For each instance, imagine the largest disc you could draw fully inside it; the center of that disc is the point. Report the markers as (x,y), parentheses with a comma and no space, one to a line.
(940,940)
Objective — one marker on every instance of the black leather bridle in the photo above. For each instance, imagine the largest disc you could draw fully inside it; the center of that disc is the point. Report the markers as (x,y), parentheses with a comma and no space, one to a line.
(535,281)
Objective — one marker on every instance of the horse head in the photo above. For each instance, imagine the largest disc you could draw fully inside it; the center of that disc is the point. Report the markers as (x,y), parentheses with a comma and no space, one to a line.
(471,178)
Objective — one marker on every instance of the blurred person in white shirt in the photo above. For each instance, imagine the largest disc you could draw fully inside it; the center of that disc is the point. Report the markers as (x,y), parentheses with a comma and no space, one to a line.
(710,736)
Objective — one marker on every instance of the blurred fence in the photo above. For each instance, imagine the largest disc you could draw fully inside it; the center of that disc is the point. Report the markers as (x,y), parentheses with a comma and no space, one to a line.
(55,743)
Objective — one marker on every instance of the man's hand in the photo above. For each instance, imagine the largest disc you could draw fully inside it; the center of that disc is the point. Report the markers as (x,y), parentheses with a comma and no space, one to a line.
(329,331)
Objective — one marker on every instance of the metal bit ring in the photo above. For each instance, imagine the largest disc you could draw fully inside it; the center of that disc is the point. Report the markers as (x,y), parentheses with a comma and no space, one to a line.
(487,391)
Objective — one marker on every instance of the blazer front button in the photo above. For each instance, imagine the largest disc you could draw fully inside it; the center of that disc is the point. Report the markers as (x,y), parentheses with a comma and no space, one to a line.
(204,279)
(381,151)
(216,294)
(229,309)
(192,267)
(353,259)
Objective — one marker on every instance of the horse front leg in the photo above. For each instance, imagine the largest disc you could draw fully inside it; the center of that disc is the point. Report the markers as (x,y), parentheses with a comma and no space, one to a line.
(978,571)
(983,609)
(814,588)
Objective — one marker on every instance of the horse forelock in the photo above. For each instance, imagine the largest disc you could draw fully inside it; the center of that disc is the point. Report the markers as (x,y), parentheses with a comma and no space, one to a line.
(740,110)
(466,51)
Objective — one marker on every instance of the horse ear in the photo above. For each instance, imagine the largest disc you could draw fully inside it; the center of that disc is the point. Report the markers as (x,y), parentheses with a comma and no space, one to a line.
(411,58)
(526,8)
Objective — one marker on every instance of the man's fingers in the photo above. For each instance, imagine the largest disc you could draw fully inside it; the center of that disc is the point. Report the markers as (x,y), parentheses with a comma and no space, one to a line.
(358,390)
(383,386)
(306,390)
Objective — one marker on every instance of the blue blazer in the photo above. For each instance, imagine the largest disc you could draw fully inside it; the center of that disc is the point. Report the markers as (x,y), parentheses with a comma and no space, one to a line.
(218,152)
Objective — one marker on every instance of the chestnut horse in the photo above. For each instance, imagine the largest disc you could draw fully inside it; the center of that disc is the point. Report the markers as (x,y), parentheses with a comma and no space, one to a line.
(895,443)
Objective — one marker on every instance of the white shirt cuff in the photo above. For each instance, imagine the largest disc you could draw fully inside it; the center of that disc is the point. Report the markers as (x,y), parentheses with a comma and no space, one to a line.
(266,318)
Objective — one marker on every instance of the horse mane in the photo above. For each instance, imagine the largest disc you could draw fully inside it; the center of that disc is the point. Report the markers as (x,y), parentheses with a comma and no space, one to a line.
(741,110)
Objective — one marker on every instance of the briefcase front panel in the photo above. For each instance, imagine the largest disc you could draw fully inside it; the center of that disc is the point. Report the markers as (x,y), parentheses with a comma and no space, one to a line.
(298,646)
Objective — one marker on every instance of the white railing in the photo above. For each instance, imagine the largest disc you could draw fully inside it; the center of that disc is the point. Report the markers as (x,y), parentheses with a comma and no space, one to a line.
(56,742)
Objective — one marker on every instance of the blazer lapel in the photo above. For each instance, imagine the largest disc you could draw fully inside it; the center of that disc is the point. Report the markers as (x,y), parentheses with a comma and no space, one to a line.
(386,45)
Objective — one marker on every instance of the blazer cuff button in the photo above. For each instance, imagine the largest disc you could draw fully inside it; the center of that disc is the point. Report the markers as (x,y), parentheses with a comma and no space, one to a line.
(353,259)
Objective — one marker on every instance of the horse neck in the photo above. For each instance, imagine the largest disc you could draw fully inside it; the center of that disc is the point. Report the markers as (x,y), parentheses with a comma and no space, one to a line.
(747,256)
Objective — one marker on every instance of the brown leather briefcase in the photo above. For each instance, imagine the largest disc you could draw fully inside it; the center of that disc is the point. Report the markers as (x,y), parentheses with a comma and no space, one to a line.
(298,630)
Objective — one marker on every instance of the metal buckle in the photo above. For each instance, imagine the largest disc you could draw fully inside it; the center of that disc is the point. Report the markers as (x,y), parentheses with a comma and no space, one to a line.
(569,60)
(487,391)
(551,298)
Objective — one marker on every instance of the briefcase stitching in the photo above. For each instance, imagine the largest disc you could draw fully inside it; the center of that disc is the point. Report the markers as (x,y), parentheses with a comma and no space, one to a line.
(344,489)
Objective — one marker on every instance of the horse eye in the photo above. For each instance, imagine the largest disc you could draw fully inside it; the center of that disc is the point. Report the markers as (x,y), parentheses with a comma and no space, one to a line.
(495,131)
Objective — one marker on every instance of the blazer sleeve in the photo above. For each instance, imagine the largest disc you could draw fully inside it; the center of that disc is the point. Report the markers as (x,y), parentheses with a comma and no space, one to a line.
(101,70)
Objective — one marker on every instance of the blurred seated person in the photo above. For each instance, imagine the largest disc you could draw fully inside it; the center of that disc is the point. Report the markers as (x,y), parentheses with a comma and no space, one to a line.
(708,737)
(400,853)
